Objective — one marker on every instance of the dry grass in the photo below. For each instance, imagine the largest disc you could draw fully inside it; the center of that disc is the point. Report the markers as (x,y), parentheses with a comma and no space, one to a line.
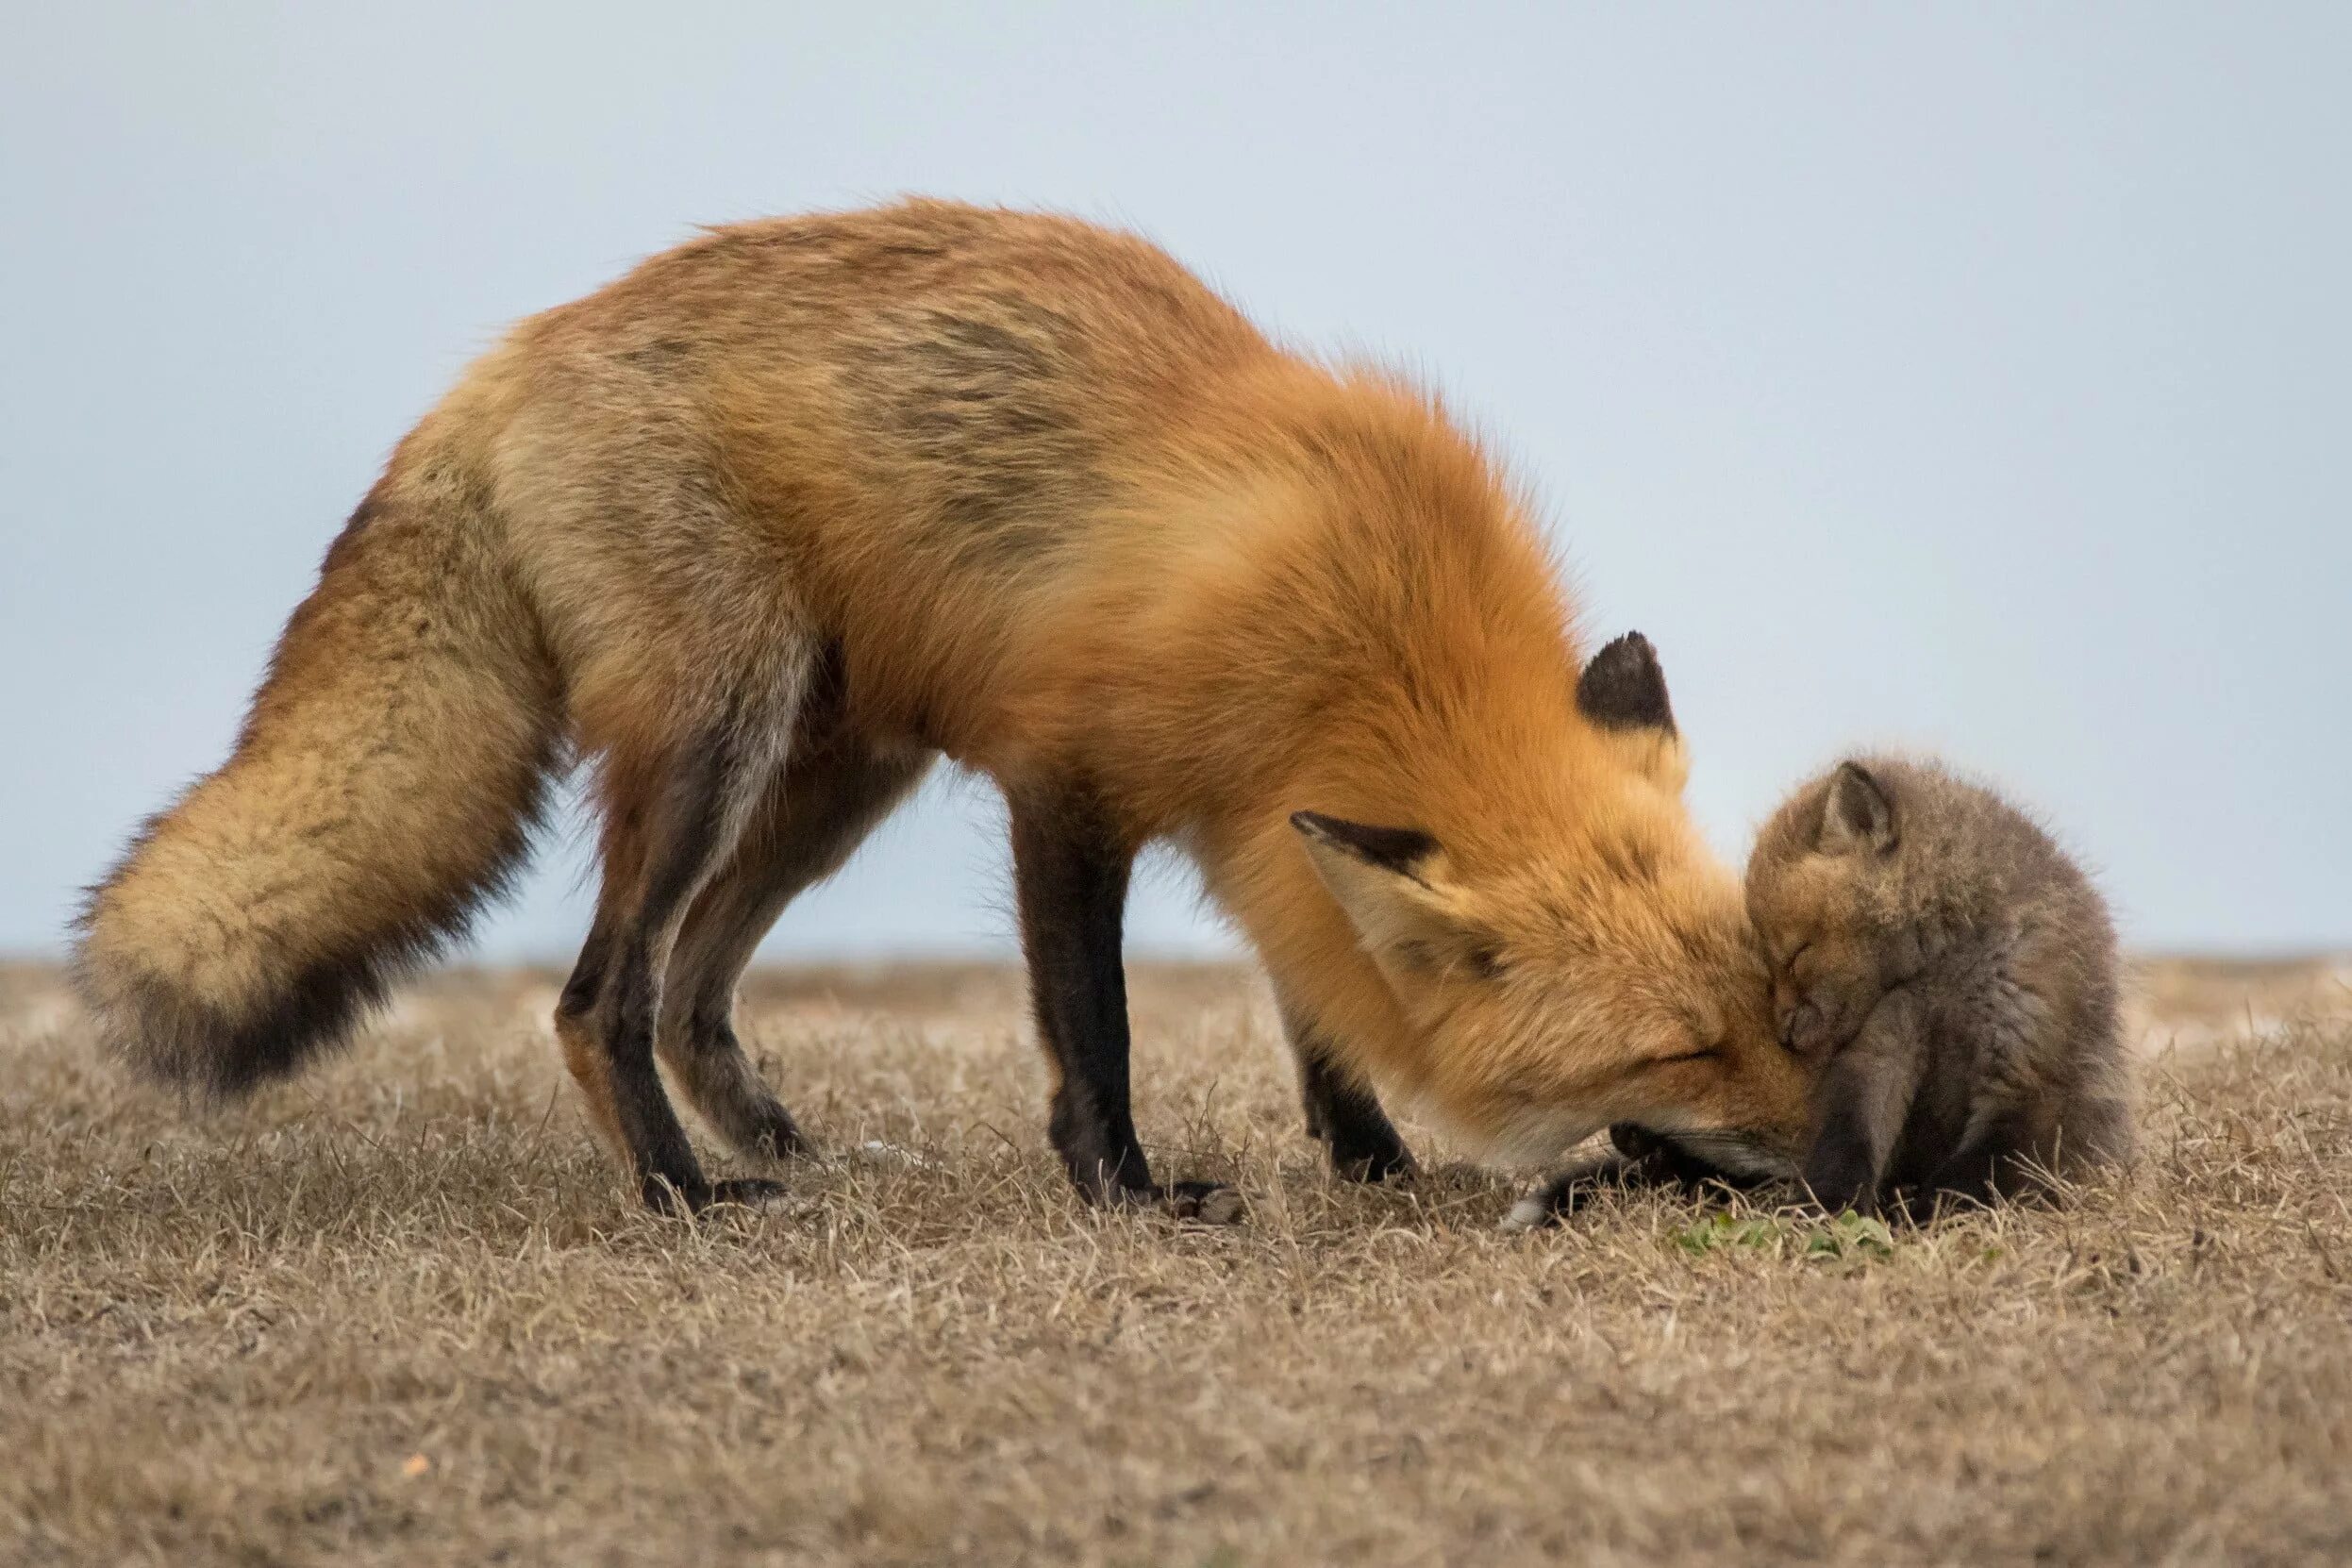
(398,1312)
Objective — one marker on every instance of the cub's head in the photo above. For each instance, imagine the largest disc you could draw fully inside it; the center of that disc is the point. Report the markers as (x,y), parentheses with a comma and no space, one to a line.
(1600,969)
(1823,891)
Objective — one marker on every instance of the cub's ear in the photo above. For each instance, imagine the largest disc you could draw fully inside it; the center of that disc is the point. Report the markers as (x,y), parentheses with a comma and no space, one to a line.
(1393,884)
(1623,688)
(1623,691)
(1858,815)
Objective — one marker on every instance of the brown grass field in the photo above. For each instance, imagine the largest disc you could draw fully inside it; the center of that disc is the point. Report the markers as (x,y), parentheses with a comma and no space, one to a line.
(398,1311)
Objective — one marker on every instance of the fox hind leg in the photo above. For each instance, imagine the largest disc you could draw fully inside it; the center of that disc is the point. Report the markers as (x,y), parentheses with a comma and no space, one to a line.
(670,821)
(803,830)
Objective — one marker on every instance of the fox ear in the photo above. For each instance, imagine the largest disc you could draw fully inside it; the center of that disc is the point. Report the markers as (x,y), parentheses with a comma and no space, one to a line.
(1623,690)
(1857,816)
(1391,882)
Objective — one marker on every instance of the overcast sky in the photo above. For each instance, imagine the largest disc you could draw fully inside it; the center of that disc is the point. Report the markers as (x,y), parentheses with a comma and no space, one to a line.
(1969,377)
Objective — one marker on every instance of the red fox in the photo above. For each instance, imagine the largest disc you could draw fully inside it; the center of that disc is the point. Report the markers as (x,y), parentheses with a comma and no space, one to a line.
(767,527)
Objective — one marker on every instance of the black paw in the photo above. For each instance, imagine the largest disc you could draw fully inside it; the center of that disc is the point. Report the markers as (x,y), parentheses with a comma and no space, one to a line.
(746,1192)
(1566,1192)
(665,1197)
(777,1138)
(1840,1199)
(1208,1202)
(1373,1162)
(1204,1202)
(1839,1178)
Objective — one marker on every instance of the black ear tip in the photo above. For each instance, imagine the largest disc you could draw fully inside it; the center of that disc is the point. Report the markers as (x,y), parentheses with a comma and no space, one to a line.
(1390,848)
(1623,687)
(1629,646)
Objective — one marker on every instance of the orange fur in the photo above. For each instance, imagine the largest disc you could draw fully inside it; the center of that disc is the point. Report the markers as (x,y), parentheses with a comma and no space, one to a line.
(1057,511)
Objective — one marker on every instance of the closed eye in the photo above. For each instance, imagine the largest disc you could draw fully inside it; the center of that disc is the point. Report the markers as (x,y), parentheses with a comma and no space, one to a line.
(1788,965)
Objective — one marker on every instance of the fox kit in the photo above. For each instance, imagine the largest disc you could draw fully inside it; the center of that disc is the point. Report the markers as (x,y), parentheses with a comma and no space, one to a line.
(1954,972)
(767,527)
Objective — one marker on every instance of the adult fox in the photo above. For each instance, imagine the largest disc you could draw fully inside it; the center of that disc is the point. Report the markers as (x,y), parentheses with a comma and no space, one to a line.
(768,524)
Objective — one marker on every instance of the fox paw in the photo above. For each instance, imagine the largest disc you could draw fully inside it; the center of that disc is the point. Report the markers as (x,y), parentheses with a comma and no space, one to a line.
(663,1197)
(1538,1210)
(1391,1162)
(1208,1202)
(746,1193)
(1563,1195)
(1202,1202)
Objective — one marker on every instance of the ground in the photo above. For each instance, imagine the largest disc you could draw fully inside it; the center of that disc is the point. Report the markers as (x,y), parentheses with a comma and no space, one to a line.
(398,1311)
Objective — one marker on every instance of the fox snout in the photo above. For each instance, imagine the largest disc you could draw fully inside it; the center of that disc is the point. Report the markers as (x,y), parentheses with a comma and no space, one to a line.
(1695,1157)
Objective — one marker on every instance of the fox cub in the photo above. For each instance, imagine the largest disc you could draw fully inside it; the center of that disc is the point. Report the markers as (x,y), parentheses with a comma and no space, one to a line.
(1952,976)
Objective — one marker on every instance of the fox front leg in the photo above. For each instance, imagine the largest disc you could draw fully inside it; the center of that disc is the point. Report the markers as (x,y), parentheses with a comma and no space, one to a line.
(1342,1112)
(1070,870)
(1861,1104)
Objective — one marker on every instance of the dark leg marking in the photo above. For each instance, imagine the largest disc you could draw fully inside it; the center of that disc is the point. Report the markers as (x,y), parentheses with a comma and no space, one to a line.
(804,831)
(655,862)
(1070,871)
(1341,1112)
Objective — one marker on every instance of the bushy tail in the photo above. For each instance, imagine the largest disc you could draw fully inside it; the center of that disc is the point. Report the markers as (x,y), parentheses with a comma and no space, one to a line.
(385,784)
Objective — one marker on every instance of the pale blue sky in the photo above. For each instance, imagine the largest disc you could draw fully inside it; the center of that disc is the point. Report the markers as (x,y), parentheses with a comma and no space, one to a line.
(1972,377)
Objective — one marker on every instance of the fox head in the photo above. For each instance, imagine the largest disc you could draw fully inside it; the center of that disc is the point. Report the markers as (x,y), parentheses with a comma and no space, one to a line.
(1604,972)
(1825,889)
